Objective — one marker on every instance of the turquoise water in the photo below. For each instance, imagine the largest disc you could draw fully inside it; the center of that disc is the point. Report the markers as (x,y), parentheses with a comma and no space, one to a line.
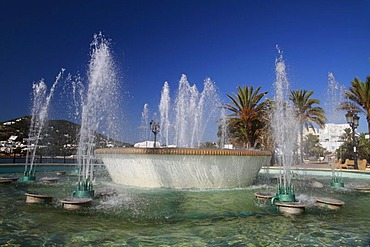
(139,217)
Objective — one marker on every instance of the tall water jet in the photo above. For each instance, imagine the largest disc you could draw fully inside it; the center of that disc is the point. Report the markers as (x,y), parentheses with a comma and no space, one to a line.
(208,106)
(285,130)
(334,97)
(192,112)
(39,112)
(164,112)
(224,128)
(145,123)
(98,110)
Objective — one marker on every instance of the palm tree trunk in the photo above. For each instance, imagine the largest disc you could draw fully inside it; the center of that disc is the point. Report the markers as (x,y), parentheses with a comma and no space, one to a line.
(368,123)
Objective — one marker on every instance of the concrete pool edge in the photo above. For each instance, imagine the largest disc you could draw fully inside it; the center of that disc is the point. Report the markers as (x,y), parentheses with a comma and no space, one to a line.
(319,171)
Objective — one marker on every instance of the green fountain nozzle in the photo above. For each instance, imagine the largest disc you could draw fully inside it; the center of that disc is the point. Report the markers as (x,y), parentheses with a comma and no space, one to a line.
(337,182)
(84,189)
(284,194)
(28,176)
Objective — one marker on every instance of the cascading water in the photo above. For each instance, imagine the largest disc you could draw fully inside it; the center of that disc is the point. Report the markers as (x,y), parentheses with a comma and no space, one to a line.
(192,112)
(39,112)
(99,109)
(285,128)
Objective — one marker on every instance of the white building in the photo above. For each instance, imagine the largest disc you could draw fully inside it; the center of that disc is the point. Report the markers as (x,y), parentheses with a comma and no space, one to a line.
(329,137)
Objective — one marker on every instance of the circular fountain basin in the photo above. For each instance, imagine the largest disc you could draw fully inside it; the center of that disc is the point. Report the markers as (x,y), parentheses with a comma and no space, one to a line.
(76,203)
(328,203)
(38,198)
(264,195)
(183,168)
(13,179)
(290,208)
(363,189)
(49,179)
(5,181)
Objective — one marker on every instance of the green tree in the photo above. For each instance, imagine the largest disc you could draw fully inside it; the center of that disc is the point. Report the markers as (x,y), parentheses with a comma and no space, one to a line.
(359,96)
(312,146)
(345,151)
(246,118)
(306,113)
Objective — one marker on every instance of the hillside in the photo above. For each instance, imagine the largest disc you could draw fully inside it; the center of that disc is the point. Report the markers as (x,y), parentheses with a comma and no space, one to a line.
(59,137)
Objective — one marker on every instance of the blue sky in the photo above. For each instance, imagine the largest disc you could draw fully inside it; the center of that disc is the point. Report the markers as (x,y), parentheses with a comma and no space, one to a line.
(232,42)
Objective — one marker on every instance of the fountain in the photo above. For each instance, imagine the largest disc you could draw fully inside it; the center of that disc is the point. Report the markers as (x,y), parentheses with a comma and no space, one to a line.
(186,166)
(97,111)
(40,106)
(285,131)
(144,123)
(168,217)
(334,97)
(164,109)
(183,168)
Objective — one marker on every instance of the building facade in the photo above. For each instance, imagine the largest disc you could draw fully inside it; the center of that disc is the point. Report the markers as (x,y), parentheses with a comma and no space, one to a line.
(330,136)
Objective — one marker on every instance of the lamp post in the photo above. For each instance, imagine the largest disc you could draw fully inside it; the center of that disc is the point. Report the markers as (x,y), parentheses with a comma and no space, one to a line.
(154,127)
(353,121)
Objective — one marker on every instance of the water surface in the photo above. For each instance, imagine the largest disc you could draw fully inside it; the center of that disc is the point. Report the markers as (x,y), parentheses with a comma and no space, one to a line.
(162,217)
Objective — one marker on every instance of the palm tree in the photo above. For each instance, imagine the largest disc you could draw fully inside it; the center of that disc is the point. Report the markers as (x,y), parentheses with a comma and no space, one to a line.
(306,113)
(246,117)
(359,96)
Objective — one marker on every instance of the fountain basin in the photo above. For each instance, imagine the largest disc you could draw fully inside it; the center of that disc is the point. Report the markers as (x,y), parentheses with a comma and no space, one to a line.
(363,189)
(328,203)
(12,179)
(38,198)
(49,179)
(76,203)
(5,181)
(290,208)
(183,168)
(264,195)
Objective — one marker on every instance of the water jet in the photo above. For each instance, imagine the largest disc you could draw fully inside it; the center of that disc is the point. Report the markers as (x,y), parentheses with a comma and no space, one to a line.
(40,107)
(285,131)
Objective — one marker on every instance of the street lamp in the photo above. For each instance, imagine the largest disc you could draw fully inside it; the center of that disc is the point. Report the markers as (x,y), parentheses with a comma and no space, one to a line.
(353,121)
(154,127)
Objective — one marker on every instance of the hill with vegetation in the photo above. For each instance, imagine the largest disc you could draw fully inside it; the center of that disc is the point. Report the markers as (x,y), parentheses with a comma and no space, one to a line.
(58,138)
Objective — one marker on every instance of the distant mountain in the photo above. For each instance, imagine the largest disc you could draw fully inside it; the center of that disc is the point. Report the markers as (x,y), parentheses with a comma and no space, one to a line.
(59,137)
(15,127)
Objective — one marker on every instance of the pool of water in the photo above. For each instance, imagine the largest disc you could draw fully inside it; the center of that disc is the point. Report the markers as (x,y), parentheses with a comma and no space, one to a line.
(162,217)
